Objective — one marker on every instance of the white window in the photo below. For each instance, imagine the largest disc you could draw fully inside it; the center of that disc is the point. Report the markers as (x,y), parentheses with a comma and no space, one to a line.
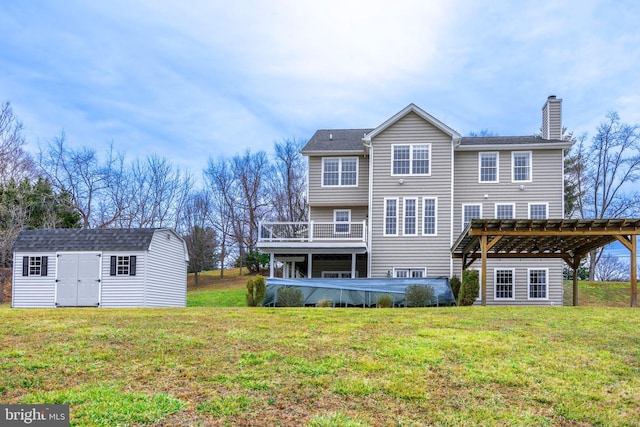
(336,275)
(123,266)
(470,212)
(339,172)
(488,167)
(410,217)
(342,216)
(390,217)
(538,283)
(504,283)
(538,210)
(429,216)
(521,164)
(505,210)
(406,273)
(35,266)
(411,159)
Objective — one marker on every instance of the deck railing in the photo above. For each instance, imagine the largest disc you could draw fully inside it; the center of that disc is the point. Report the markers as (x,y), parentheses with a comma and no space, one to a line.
(311,231)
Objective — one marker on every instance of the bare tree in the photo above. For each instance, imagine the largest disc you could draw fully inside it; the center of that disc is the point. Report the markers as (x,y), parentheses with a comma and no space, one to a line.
(15,162)
(604,173)
(611,269)
(200,237)
(250,171)
(91,183)
(225,218)
(287,182)
(156,192)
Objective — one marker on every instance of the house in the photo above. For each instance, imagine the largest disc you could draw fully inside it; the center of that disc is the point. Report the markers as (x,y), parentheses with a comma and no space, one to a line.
(391,201)
(142,267)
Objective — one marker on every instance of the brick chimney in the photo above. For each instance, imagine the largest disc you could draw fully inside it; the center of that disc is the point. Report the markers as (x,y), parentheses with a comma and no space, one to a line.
(552,118)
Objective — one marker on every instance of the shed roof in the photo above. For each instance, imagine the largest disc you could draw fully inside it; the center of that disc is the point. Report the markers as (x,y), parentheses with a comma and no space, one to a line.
(71,239)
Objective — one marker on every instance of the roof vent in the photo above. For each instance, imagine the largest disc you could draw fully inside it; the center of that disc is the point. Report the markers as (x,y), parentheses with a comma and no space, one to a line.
(330,137)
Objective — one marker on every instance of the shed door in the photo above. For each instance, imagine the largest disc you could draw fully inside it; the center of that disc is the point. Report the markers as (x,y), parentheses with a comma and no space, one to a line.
(78,282)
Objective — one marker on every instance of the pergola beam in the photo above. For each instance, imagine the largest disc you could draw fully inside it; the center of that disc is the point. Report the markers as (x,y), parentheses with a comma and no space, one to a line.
(570,240)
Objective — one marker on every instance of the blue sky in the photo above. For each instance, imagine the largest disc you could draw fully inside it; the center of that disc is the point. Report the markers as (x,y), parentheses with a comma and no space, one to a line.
(193,79)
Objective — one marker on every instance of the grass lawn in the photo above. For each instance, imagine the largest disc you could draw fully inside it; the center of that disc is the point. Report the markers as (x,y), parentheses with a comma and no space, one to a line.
(326,367)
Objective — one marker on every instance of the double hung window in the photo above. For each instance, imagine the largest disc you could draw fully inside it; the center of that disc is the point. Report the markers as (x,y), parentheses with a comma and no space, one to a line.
(488,169)
(339,171)
(411,159)
(521,164)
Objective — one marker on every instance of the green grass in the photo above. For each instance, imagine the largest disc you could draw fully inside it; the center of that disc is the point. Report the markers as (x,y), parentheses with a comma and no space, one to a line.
(217,298)
(327,367)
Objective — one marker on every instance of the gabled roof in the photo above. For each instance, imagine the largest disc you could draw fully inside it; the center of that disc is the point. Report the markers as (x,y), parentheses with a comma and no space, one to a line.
(110,239)
(412,108)
(336,140)
(509,142)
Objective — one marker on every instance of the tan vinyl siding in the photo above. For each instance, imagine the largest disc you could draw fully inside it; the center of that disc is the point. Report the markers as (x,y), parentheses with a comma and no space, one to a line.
(546,185)
(338,196)
(123,291)
(166,271)
(325,214)
(416,251)
(521,266)
(34,291)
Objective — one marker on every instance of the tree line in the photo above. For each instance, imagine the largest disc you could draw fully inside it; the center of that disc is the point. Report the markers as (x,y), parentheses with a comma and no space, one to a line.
(66,186)
(63,186)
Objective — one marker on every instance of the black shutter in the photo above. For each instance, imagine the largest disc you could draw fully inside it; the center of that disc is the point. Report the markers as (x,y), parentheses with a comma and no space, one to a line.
(25,265)
(112,272)
(44,266)
(132,265)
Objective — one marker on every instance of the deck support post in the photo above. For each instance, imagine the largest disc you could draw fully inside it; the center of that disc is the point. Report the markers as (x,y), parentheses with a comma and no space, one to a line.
(634,270)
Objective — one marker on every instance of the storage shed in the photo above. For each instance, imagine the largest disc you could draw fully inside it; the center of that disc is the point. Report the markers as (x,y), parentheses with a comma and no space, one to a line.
(137,267)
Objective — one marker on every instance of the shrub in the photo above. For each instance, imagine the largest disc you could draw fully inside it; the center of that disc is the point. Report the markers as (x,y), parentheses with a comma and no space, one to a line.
(470,287)
(256,290)
(385,301)
(290,297)
(455,286)
(419,296)
(324,303)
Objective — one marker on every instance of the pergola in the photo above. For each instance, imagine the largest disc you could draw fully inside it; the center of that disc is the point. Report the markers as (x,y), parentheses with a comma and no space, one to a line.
(568,239)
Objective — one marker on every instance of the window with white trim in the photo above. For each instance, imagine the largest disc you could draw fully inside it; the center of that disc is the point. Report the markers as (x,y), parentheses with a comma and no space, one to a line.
(406,273)
(35,266)
(488,167)
(538,210)
(410,217)
(411,159)
(470,212)
(521,166)
(504,283)
(339,171)
(343,216)
(429,216)
(390,217)
(336,275)
(123,265)
(538,283)
(505,210)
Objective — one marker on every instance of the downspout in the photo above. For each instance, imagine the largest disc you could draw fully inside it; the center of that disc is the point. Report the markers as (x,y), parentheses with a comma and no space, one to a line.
(454,141)
(369,145)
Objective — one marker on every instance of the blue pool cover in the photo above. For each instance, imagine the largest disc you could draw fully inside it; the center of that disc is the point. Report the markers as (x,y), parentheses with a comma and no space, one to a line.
(359,292)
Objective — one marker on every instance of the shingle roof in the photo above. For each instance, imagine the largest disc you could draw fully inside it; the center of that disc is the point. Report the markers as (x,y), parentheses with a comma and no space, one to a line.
(112,239)
(505,140)
(336,140)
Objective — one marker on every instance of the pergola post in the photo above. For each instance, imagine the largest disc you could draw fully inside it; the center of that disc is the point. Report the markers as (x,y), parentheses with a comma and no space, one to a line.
(575,266)
(634,271)
(483,272)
